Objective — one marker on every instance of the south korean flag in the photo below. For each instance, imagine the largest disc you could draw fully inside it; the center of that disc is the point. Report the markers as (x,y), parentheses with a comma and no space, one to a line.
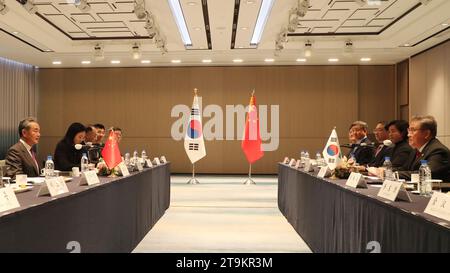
(194,144)
(332,151)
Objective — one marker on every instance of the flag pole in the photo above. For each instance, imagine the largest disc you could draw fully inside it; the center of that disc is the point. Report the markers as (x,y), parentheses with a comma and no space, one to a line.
(193,180)
(249,180)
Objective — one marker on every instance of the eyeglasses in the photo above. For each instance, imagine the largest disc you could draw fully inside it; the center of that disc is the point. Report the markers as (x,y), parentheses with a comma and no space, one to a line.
(413,130)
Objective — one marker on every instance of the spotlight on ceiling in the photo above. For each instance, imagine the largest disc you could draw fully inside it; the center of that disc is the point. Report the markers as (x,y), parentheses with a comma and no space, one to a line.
(29,6)
(136,52)
(98,53)
(308,49)
(3,8)
(293,21)
(139,9)
(348,46)
(302,9)
(82,5)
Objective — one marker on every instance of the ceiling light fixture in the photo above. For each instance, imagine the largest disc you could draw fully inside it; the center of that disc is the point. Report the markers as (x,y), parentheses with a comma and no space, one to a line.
(56,62)
(302,7)
(145,61)
(82,5)
(263,15)
(115,62)
(3,8)
(207,61)
(365,59)
(136,52)
(444,24)
(333,60)
(85,62)
(181,23)
(269,60)
(237,61)
(176,61)
(29,6)
(301,60)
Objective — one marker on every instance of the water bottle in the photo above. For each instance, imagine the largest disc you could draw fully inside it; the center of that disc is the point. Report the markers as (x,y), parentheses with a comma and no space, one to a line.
(388,173)
(425,187)
(319,159)
(306,155)
(84,163)
(144,155)
(302,157)
(127,159)
(49,170)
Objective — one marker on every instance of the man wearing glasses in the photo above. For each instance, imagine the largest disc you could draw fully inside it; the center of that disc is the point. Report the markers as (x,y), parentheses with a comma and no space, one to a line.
(422,137)
(382,150)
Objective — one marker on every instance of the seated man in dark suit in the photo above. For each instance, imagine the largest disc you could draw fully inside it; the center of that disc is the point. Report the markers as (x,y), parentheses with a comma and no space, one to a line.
(362,151)
(382,150)
(422,137)
(21,159)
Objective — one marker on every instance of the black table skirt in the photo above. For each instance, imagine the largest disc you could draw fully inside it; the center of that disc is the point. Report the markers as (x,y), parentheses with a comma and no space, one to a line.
(111,217)
(331,217)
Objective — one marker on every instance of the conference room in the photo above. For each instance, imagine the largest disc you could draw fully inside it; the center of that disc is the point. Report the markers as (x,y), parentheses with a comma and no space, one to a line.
(231,126)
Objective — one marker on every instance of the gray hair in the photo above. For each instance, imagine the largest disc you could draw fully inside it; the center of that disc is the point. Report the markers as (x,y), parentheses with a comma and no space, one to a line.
(426,123)
(361,124)
(26,124)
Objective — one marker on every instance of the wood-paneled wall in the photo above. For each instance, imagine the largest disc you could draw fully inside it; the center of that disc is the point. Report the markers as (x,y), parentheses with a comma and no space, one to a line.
(312,100)
(429,83)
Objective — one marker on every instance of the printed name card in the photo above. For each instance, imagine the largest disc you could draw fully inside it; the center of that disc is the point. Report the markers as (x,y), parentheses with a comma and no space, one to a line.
(308,165)
(53,186)
(89,178)
(286,160)
(292,162)
(439,206)
(356,180)
(157,162)
(163,160)
(123,169)
(139,166)
(323,172)
(149,163)
(8,199)
(297,165)
(394,190)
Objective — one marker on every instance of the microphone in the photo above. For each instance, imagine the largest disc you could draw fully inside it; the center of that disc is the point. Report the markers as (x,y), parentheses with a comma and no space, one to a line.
(372,145)
(350,146)
(388,143)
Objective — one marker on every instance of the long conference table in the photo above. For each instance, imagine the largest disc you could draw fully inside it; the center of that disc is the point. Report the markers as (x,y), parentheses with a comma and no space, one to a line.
(112,216)
(331,217)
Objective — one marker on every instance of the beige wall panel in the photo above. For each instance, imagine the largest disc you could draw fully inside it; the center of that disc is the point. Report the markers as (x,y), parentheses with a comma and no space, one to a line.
(312,100)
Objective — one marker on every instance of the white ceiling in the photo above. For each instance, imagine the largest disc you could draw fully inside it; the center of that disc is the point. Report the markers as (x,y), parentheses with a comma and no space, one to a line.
(376,31)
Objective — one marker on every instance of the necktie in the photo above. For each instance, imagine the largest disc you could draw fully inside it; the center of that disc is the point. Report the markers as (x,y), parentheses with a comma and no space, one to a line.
(418,154)
(34,158)
(379,149)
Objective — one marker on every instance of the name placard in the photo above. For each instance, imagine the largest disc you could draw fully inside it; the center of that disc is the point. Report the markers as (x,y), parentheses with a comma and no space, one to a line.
(89,178)
(297,165)
(53,186)
(8,199)
(394,190)
(439,206)
(149,163)
(163,160)
(123,169)
(292,162)
(139,166)
(323,172)
(356,180)
(286,160)
(157,162)
(308,165)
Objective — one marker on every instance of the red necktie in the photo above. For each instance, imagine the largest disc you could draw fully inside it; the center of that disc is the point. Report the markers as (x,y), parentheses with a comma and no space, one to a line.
(418,154)
(34,158)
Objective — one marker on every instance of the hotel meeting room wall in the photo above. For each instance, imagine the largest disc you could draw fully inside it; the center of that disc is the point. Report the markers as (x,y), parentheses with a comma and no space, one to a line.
(312,100)
(429,91)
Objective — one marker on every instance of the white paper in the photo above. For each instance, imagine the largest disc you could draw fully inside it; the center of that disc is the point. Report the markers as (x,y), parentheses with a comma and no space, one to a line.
(89,178)
(297,165)
(36,180)
(308,165)
(439,206)
(139,166)
(8,199)
(149,163)
(324,171)
(292,162)
(393,190)
(124,169)
(157,162)
(355,180)
(53,186)
(163,160)
(286,160)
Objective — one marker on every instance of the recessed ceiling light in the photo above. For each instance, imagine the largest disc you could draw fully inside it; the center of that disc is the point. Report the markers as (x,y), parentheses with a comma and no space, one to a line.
(250,2)
(176,61)
(238,61)
(15,32)
(197,28)
(333,60)
(145,61)
(244,28)
(206,61)
(115,62)
(47,50)
(56,62)
(191,3)
(85,62)
(444,24)
(406,44)
(269,60)
(366,59)
(301,60)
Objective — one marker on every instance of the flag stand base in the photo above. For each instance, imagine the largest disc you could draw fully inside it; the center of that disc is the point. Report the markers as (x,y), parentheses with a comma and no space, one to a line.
(249,180)
(193,180)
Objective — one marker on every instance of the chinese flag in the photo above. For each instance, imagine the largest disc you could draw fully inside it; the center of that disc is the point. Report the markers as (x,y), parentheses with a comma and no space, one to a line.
(251,143)
(111,152)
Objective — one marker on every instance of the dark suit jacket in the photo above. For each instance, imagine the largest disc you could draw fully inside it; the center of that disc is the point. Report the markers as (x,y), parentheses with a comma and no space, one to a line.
(19,161)
(438,157)
(66,156)
(363,154)
(401,155)
(379,158)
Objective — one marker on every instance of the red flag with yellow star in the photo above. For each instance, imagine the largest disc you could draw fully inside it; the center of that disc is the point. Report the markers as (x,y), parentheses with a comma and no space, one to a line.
(111,152)
(251,143)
